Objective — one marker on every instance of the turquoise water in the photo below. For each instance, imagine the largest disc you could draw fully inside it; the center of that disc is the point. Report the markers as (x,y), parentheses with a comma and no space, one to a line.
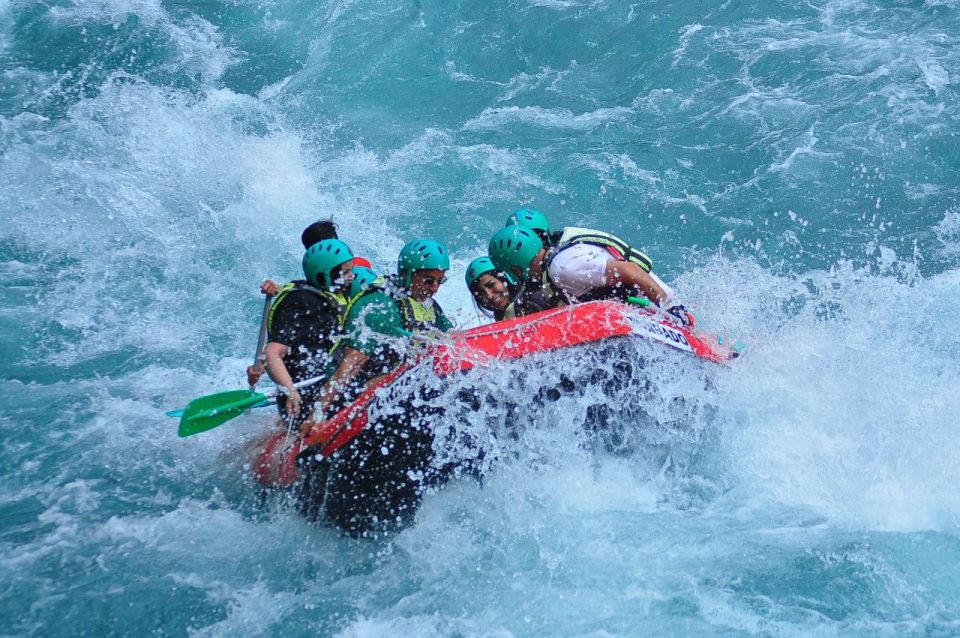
(792,169)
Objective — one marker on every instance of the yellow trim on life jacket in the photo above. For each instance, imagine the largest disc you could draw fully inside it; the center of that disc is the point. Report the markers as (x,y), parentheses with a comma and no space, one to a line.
(339,300)
(417,316)
(420,312)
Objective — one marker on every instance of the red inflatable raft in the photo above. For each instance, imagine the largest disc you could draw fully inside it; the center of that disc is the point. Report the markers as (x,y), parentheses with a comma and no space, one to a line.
(275,455)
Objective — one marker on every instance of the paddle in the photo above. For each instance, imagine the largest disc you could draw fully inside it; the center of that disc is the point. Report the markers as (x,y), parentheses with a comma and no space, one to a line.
(179,411)
(207,412)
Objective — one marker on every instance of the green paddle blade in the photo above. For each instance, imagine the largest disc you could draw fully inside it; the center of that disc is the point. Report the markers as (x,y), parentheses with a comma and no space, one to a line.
(179,411)
(212,410)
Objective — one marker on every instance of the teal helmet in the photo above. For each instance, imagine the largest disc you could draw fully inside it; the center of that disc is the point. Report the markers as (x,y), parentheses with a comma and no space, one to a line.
(534,220)
(362,278)
(482,266)
(421,254)
(529,218)
(514,247)
(322,259)
(479,266)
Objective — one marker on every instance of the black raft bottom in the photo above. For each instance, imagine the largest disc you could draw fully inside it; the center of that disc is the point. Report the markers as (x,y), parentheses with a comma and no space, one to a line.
(374,484)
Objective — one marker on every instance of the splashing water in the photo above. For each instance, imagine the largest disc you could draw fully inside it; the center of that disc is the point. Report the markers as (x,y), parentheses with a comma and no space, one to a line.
(791,169)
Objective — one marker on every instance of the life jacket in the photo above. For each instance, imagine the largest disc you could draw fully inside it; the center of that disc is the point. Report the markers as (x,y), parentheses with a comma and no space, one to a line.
(334,300)
(320,352)
(415,315)
(618,249)
(380,283)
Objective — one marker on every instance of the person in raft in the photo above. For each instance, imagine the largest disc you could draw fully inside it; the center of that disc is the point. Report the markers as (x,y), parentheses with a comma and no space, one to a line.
(618,248)
(312,234)
(498,294)
(577,264)
(304,328)
(384,318)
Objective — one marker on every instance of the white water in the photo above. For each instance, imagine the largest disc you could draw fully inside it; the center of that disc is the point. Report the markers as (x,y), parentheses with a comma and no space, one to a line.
(143,204)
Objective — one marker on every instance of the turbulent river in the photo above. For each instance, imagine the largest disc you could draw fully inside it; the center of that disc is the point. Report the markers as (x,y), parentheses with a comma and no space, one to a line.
(792,168)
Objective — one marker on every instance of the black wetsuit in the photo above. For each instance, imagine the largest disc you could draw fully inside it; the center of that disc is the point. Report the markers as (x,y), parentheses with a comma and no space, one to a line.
(307,321)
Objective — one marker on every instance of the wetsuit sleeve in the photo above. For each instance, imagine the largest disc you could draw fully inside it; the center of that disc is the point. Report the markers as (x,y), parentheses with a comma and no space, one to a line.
(372,315)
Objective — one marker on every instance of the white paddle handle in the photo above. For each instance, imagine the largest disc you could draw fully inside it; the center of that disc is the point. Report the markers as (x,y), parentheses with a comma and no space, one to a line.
(301,384)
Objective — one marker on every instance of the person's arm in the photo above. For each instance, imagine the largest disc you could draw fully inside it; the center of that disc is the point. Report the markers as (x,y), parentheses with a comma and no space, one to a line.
(626,273)
(373,317)
(350,366)
(277,370)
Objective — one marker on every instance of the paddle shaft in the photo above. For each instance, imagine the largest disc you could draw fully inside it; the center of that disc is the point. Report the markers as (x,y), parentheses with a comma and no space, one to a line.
(268,398)
(263,332)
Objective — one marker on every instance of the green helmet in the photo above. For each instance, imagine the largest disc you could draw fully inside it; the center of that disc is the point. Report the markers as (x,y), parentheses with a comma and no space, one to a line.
(482,266)
(529,218)
(362,278)
(322,259)
(514,247)
(479,266)
(421,254)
